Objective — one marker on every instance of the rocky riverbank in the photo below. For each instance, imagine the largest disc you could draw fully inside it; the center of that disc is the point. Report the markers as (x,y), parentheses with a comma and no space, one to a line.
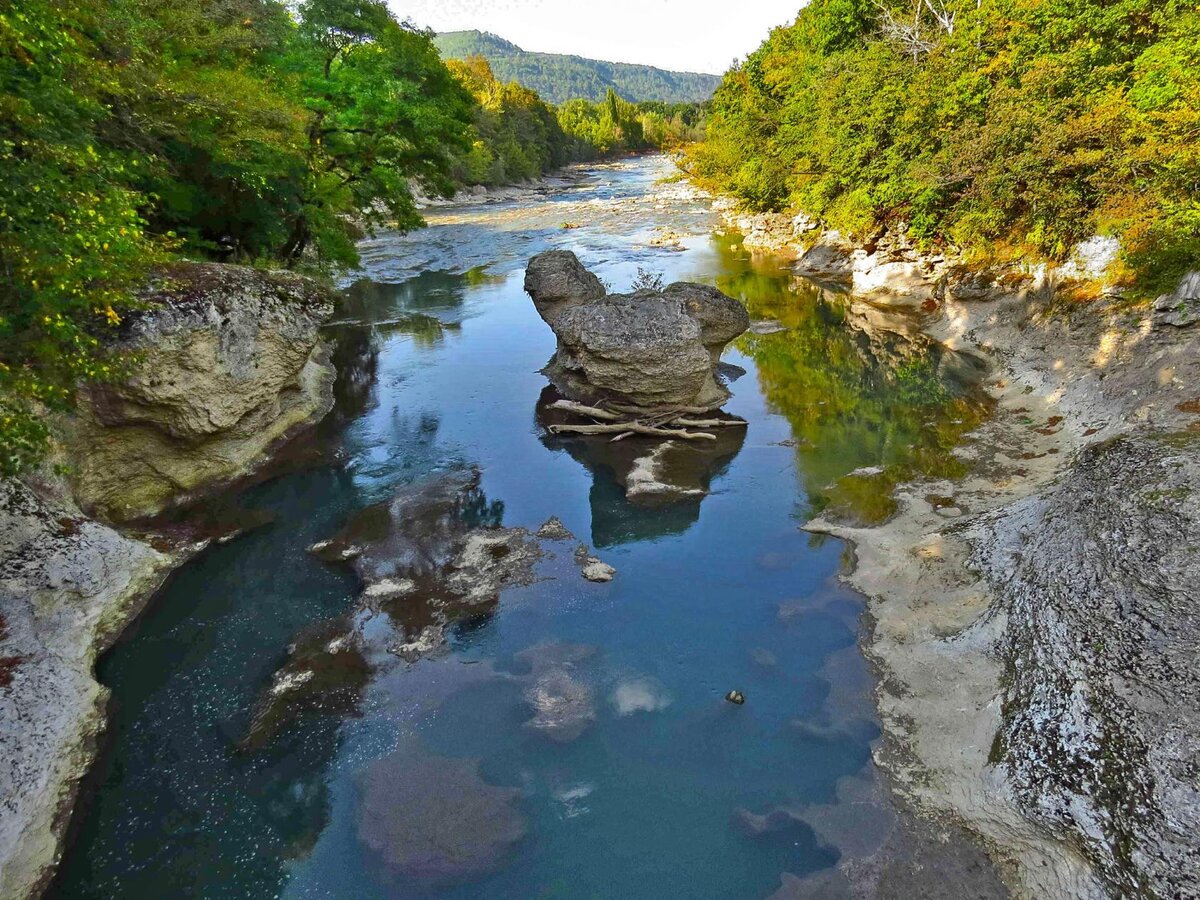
(230,362)
(1034,623)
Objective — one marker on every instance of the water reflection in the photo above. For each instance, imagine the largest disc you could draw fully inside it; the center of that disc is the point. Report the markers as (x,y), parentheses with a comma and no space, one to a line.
(642,488)
(872,401)
(290,727)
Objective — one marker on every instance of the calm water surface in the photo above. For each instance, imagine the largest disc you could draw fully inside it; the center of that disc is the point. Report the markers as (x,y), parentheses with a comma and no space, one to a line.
(439,350)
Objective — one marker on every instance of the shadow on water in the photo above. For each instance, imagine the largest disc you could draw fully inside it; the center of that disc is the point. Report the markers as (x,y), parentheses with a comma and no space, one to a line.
(551,737)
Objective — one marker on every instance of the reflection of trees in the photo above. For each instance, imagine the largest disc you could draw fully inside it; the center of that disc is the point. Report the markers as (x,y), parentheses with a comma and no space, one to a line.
(859,386)
(439,295)
(356,358)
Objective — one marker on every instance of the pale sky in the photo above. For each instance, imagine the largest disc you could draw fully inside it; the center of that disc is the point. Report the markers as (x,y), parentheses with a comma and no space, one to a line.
(687,35)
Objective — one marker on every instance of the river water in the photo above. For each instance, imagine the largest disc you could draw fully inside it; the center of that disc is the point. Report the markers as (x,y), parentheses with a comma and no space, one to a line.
(667,790)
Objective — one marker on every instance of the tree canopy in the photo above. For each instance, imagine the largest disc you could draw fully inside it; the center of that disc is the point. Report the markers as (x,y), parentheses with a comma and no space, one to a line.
(255,131)
(1001,127)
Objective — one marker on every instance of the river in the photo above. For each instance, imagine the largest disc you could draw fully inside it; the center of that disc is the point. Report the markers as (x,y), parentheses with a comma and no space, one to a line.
(667,790)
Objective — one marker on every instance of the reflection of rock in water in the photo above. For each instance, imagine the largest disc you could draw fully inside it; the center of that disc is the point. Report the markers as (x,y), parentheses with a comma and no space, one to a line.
(642,487)
(433,821)
(892,341)
(430,557)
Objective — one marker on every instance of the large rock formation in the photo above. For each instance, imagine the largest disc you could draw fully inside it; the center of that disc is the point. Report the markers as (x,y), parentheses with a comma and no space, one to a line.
(227,361)
(1101,730)
(647,348)
(230,361)
(68,587)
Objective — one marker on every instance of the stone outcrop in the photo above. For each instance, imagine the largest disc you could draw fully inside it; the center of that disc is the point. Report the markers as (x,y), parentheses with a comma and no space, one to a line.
(226,363)
(1101,720)
(647,348)
(229,362)
(68,587)
(1035,620)
(1181,307)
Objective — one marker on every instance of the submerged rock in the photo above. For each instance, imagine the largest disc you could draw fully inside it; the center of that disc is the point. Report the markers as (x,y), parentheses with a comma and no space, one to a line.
(647,348)
(433,821)
(325,672)
(642,694)
(563,706)
(436,548)
(431,556)
(231,362)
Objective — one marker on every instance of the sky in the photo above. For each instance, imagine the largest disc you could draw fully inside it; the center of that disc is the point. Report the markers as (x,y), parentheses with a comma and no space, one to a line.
(687,35)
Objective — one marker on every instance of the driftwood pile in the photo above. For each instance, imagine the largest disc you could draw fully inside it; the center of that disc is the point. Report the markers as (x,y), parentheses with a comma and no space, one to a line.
(672,422)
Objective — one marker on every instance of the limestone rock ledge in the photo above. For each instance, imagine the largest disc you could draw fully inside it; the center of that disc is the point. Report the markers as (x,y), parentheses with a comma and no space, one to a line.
(1101,708)
(230,362)
(68,587)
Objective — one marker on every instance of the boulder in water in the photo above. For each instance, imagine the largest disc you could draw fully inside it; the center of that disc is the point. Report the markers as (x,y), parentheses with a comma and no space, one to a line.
(647,348)
(433,821)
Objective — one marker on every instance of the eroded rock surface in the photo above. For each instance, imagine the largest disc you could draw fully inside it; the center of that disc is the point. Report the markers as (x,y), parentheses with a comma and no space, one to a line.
(1101,717)
(647,348)
(68,586)
(231,362)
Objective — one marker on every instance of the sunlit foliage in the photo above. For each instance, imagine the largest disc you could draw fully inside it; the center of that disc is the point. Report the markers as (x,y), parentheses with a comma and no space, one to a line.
(232,129)
(1001,127)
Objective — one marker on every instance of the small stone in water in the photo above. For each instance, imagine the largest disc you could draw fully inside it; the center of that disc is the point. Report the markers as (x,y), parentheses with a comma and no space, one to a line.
(736,697)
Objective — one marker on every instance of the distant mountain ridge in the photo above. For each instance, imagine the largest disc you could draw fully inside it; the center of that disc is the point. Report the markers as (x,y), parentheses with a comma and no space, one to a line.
(559,77)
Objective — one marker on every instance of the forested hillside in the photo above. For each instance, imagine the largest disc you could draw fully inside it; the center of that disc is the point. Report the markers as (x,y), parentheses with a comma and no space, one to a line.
(137,131)
(558,77)
(516,135)
(1001,127)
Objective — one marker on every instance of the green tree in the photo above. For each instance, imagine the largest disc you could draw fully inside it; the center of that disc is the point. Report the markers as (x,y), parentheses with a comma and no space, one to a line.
(383,109)
(72,240)
(1003,128)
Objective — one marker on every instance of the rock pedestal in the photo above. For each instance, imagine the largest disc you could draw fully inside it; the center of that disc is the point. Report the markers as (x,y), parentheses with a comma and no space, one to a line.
(647,348)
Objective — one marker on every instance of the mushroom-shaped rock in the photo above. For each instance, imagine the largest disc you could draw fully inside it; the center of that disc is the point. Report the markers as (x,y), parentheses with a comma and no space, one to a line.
(648,348)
